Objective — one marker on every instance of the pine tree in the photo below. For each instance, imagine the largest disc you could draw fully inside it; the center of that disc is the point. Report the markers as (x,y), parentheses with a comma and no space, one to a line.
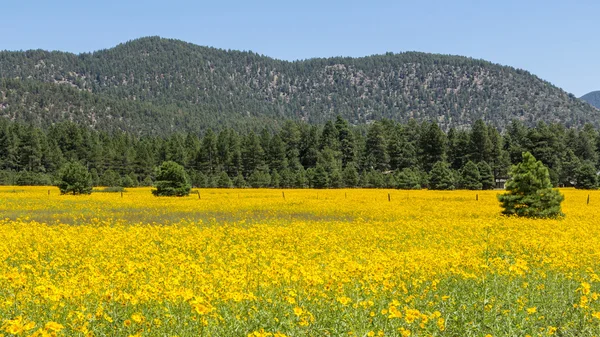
(320,178)
(529,191)
(441,177)
(376,156)
(408,179)
(432,144)
(350,176)
(74,178)
(171,180)
(470,178)
(347,145)
(224,181)
(488,182)
(480,145)
(586,176)
(260,178)
(239,181)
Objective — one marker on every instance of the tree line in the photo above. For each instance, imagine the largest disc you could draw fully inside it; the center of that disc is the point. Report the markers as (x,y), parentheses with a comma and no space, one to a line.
(383,154)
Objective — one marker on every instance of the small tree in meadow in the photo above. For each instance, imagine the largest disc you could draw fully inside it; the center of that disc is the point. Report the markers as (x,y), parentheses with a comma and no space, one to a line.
(74,178)
(171,180)
(530,192)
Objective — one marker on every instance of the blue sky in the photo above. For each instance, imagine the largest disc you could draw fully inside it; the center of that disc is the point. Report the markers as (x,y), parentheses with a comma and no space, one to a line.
(556,40)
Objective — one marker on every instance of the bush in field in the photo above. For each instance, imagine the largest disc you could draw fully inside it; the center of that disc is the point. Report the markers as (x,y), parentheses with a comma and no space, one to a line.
(74,178)
(171,180)
(530,192)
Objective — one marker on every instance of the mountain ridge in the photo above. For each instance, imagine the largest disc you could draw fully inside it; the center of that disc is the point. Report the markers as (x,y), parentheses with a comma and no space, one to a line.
(193,87)
(593,98)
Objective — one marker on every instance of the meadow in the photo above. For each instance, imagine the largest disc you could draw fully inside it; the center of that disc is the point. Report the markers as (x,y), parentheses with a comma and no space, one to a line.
(295,263)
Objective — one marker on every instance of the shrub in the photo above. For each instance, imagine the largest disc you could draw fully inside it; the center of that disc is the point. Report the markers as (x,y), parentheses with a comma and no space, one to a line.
(171,180)
(74,178)
(530,192)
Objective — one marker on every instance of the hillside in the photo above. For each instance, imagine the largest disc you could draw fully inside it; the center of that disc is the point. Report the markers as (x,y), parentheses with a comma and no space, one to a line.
(155,85)
(593,98)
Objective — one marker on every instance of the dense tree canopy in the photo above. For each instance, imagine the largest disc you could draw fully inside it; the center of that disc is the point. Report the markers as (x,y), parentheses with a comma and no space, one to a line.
(383,154)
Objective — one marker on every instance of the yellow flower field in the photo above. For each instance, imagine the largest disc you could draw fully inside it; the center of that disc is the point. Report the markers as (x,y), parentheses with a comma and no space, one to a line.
(294,263)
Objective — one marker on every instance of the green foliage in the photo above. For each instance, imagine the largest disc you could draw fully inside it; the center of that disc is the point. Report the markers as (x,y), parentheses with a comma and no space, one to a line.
(470,179)
(28,178)
(441,177)
(110,178)
(408,179)
(319,177)
(224,181)
(128,181)
(529,191)
(260,178)
(171,180)
(74,178)
(487,176)
(350,176)
(586,177)
(239,182)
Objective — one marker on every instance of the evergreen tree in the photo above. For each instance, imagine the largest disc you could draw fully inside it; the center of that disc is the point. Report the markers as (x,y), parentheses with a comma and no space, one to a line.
(432,145)
(171,180)
(529,191)
(239,181)
(252,154)
(480,145)
(224,181)
(488,182)
(74,178)
(319,177)
(376,156)
(335,179)
(408,179)
(347,145)
(350,176)
(586,176)
(469,177)
(110,178)
(441,177)
(275,179)
(260,178)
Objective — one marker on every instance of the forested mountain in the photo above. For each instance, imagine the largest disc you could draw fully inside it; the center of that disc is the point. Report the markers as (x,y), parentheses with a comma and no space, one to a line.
(158,86)
(593,98)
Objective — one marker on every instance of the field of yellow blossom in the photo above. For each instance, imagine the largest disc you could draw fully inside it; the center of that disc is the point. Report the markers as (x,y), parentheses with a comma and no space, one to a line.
(295,263)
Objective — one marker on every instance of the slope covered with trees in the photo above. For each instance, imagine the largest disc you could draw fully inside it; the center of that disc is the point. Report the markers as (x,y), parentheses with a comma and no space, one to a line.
(157,86)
